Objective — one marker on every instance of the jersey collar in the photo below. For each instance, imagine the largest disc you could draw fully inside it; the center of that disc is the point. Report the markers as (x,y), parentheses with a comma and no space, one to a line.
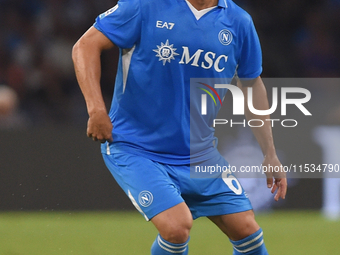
(222,3)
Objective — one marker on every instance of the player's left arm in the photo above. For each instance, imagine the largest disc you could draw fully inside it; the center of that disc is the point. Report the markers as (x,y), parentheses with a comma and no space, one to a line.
(275,181)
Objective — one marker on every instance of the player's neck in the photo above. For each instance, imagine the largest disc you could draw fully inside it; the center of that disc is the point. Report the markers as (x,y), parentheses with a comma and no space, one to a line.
(203,4)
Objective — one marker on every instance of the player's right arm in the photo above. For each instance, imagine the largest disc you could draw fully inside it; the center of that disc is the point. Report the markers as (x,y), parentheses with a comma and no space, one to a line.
(86,58)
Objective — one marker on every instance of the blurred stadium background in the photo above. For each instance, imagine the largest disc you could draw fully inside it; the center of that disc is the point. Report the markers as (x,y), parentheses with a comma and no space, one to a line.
(56,196)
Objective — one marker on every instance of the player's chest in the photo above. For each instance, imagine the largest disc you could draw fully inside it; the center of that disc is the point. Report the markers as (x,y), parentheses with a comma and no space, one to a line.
(208,42)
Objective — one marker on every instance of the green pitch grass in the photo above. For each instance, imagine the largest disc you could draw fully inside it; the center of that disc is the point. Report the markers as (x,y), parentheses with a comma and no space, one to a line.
(125,233)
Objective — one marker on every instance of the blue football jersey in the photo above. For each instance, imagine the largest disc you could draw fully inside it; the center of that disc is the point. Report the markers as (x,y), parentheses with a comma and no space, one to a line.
(156,111)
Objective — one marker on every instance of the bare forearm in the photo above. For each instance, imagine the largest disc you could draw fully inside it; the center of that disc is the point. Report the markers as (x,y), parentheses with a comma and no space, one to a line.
(86,57)
(263,134)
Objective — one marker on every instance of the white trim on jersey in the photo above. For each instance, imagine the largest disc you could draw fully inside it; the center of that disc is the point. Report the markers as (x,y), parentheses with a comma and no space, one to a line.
(126,61)
(136,205)
(108,151)
(198,14)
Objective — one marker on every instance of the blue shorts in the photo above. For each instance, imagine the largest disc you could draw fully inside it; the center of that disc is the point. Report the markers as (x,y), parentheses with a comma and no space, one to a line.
(155,187)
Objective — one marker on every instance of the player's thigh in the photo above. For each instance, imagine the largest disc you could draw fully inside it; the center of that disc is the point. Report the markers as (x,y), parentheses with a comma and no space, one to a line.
(236,225)
(146,183)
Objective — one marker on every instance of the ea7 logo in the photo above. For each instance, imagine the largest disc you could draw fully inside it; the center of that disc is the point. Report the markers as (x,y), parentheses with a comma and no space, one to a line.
(167,25)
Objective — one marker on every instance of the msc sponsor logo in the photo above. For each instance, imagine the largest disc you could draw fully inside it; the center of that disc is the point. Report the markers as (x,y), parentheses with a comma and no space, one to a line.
(210,59)
(206,60)
(165,52)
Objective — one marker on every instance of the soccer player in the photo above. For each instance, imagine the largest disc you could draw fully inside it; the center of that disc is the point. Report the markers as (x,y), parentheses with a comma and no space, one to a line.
(156,129)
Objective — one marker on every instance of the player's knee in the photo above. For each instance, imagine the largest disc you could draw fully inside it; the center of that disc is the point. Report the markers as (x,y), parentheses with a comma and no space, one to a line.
(248,227)
(177,233)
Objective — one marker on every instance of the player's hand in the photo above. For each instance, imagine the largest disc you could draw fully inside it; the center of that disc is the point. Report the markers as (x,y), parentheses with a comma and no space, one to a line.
(276,180)
(99,127)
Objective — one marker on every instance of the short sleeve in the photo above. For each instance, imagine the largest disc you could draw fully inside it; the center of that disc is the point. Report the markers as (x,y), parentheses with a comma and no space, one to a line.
(250,62)
(122,23)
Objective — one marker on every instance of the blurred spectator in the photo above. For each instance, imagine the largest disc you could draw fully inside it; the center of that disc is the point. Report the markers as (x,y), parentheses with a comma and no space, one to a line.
(36,40)
(10,118)
(299,39)
(317,45)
